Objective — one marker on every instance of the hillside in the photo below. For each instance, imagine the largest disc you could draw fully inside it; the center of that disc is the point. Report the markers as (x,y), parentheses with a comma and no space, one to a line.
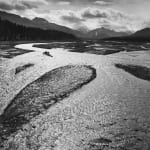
(12,31)
(139,36)
(102,33)
(37,23)
(144,33)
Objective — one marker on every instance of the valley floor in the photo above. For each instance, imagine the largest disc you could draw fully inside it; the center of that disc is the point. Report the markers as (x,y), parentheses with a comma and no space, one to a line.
(112,112)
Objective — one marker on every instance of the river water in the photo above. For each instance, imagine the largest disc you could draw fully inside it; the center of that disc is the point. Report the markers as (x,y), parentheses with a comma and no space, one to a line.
(99,47)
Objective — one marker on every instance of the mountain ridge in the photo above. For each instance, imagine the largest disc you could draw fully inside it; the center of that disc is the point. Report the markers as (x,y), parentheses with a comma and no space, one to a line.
(37,22)
(101,33)
(13,32)
(139,36)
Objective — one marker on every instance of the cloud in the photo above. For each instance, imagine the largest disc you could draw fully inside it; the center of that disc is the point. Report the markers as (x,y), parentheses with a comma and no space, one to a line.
(94,14)
(71,18)
(20,5)
(74,20)
(5,6)
(64,3)
(119,15)
(103,3)
(83,2)
(96,18)
(30,5)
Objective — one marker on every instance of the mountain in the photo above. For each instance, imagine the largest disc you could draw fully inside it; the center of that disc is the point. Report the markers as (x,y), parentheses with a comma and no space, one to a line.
(139,36)
(36,23)
(44,24)
(41,23)
(13,32)
(102,33)
(16,19)
(144,33)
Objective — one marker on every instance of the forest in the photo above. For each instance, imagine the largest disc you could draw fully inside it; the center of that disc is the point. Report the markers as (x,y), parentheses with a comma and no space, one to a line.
(13,32)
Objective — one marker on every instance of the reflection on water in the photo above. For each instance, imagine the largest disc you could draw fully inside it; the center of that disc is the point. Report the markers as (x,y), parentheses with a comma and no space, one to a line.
(100,48)
(7,50)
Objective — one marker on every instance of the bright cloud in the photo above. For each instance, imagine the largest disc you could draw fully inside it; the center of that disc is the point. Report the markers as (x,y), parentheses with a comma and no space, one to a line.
(102,3)
(64,3)
(96,18)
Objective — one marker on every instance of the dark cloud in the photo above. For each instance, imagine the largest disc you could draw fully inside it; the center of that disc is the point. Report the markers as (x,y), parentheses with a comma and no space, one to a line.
(5,6)
(72,19)
(87,14)
(107,1)
(19,7)
(81,2)
(23,5)
(57,1)
(31,5)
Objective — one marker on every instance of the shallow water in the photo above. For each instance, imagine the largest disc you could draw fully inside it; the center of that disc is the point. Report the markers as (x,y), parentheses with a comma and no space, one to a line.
(93,47)
(7,50)
(100,48)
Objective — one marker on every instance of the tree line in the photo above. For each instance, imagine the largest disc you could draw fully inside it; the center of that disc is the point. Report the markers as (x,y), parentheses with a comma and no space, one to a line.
(13,32)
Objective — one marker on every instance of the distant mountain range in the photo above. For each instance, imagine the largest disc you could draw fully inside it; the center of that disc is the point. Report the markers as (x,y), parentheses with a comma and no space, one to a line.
(102,33)
(99,33)
(139,36)
(144,33)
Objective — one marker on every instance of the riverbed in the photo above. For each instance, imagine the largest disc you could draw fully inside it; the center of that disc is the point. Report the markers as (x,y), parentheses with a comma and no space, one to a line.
(110,112)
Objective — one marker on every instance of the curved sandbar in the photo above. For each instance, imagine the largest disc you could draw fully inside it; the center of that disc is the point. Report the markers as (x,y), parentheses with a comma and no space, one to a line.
(42,93)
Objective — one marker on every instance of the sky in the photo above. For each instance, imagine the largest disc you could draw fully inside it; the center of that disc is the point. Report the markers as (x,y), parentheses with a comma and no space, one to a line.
(118,15)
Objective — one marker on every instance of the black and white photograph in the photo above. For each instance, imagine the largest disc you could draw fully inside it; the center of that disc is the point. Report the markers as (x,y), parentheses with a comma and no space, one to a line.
(74,74)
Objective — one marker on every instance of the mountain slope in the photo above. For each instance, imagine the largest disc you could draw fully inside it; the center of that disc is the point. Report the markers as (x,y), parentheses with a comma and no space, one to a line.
(36,23)
(44,24)
(16,19)
(144,33)
(12,31)
(139,36)
(102,33)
